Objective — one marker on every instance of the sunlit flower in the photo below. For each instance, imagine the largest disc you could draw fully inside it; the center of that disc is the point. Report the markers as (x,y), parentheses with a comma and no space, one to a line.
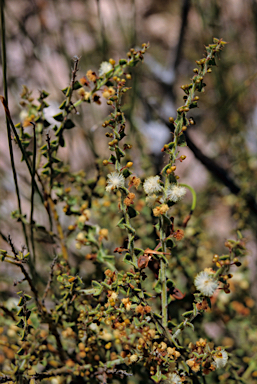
(133,180)
(162,346)
(115,181)
(175,193)
(113,295)
(173,353)
(193,364)
(127,303)
(174,379)
(108,92)
(80,236)
(220,359)
(161,210)
(205,283)
(133,358)
(91,75)
(105,67)
(87,96)
(152,185)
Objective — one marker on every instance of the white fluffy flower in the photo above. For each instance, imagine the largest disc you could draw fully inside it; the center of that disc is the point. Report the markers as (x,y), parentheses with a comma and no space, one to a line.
(105,67)
(174,379)
(220,359)
(175,193)
(205,283)
(152,185)
(115,181)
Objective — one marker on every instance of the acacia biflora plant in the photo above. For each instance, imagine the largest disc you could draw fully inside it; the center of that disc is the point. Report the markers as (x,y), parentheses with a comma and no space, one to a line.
(126,320)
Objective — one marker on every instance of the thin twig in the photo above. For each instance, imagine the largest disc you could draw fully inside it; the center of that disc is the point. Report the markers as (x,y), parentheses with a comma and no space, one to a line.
(220,173)
(4,67)
(8,116)
(50,279)
(32,192)
(184,17)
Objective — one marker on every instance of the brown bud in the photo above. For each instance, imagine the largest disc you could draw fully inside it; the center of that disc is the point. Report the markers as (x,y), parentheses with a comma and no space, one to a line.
(143,261)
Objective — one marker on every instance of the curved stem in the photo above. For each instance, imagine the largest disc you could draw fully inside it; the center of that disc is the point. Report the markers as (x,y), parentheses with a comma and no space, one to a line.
(193,195)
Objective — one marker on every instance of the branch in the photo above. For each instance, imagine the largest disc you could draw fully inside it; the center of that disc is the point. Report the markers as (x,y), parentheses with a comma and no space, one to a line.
(220,173)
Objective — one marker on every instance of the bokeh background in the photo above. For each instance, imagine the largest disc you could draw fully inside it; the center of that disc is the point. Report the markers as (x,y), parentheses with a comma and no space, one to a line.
(42,39)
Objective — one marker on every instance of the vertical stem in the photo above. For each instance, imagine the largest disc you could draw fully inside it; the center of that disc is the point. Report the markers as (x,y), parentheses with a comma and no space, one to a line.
(163,278)
(59,228)
(103,34)
(2,3)
(131,240)
(32,193)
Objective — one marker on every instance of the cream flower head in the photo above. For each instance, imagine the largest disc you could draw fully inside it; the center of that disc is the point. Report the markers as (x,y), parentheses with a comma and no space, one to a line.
(175,193)
(205,283)
(173,378)
(105,67)
(220,359)
(115,180)
(152,185)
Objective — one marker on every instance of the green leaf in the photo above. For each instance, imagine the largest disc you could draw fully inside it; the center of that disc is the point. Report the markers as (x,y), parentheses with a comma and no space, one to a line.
(182,140)
(170,243)
(43,94)
(61,141)
(55,159)
(132,212)
(20,323)
(21,302)
(119,152)
(46,123)
(95,291)
(46,172)
(212,62)
(23,336)
(58,116)
(121,223)
(171,324)
(187,314)
(138,251)
(126,172)
(170,283)
(193,105)
(64,90)
(122,61)
(69,124)
(25,143)
(129,228)
(158,287)
(20,312)
(77,85)
(63,104)
(112,159)
(20,351)
(68,92)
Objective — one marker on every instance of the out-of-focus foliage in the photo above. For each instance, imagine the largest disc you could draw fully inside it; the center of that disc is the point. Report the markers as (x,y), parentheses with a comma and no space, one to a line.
(75,311)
